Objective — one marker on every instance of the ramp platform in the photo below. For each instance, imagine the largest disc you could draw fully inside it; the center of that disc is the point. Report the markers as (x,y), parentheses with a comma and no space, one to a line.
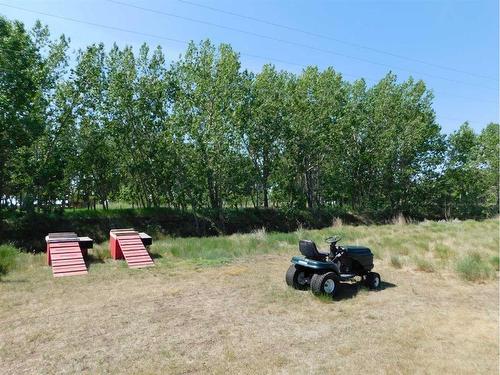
(65,253)
(130,245)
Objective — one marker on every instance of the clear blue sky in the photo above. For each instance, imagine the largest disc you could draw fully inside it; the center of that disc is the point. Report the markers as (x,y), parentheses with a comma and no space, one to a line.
(460,35)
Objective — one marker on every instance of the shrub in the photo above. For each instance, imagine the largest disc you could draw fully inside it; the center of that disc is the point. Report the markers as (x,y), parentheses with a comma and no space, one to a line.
(443,251)
(424,265)
(100,253)
(8,258)
(27,231)
(396,261)
(495,262)
(473,268)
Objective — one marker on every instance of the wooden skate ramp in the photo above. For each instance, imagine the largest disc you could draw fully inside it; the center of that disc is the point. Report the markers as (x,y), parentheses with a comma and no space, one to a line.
(130,245)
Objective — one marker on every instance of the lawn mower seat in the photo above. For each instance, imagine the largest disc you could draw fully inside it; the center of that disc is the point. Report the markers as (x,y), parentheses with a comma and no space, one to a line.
(309,250)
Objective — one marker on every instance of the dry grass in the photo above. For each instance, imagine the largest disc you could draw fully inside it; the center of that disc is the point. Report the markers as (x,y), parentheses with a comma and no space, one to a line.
(196,314)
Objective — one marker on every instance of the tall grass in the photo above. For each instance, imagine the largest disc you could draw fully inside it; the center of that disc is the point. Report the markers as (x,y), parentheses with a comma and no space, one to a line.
(473,267)
(495,262)
(225,248)
(424,264)
(8,258)
(427,247)
(469,248)
(396,261)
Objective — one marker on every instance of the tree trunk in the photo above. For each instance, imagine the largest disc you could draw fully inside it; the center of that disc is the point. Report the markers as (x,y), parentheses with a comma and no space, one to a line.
(309,190)
(265,178)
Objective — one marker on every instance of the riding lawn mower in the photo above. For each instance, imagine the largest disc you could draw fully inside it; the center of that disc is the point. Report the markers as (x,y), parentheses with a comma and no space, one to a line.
(323,272)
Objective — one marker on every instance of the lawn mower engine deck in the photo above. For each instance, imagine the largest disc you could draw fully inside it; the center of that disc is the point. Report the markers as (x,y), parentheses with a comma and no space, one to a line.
(323,271)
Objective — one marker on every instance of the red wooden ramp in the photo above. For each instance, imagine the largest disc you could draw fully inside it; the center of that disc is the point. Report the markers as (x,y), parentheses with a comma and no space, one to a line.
(128,244)
(65,253)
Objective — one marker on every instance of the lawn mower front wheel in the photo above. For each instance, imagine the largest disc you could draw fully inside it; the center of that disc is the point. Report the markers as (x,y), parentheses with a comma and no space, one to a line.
(325,283)
(372,280)
(296,278)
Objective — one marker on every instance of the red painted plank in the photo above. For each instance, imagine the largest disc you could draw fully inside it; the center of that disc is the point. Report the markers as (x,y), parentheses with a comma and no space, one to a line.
(136,261)
(67,259)
(71,251)
(66,256)
(69,268)
(140,257)
(134,251)
(65,248)
(62,263)
(72,254)
(58,262)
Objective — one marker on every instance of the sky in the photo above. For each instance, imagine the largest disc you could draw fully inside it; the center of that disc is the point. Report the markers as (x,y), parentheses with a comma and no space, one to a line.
(452,45)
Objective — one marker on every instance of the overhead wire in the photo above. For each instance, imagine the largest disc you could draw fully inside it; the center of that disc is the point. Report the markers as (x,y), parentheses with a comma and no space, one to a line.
(162,37)
(328,37)
(293,43)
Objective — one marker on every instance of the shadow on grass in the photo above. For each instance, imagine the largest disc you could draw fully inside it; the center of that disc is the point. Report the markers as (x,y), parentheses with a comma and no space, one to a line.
(93,259)
(350,290)
(155,255)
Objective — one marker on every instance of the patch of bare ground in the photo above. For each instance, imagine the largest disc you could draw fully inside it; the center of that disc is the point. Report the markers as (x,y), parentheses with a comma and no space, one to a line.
(242,318)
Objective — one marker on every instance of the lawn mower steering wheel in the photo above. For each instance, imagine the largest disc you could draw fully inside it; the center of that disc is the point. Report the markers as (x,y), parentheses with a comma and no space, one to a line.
(333,239)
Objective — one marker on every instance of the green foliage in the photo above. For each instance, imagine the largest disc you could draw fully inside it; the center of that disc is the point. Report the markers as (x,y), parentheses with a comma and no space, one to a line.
(202,133)
(28,231)
(471,177)
(473,267)
(8,258)
(495,262)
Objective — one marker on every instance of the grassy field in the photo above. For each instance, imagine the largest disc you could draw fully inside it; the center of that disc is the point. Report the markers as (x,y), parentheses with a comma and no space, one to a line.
(220,305)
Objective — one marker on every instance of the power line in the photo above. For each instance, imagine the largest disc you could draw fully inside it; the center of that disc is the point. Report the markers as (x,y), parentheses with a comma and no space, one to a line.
(289,42)
(162,37)
(323,36)
(95,24)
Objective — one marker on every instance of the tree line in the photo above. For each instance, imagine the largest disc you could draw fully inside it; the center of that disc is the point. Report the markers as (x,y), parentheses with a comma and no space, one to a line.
(80,129)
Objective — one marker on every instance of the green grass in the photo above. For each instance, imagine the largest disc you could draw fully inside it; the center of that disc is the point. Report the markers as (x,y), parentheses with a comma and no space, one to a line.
(424,265)
(8,258)
(473,267)
(468,248)
(495,262)
(430,246)
(443,252)
(100,252)
(223,249)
